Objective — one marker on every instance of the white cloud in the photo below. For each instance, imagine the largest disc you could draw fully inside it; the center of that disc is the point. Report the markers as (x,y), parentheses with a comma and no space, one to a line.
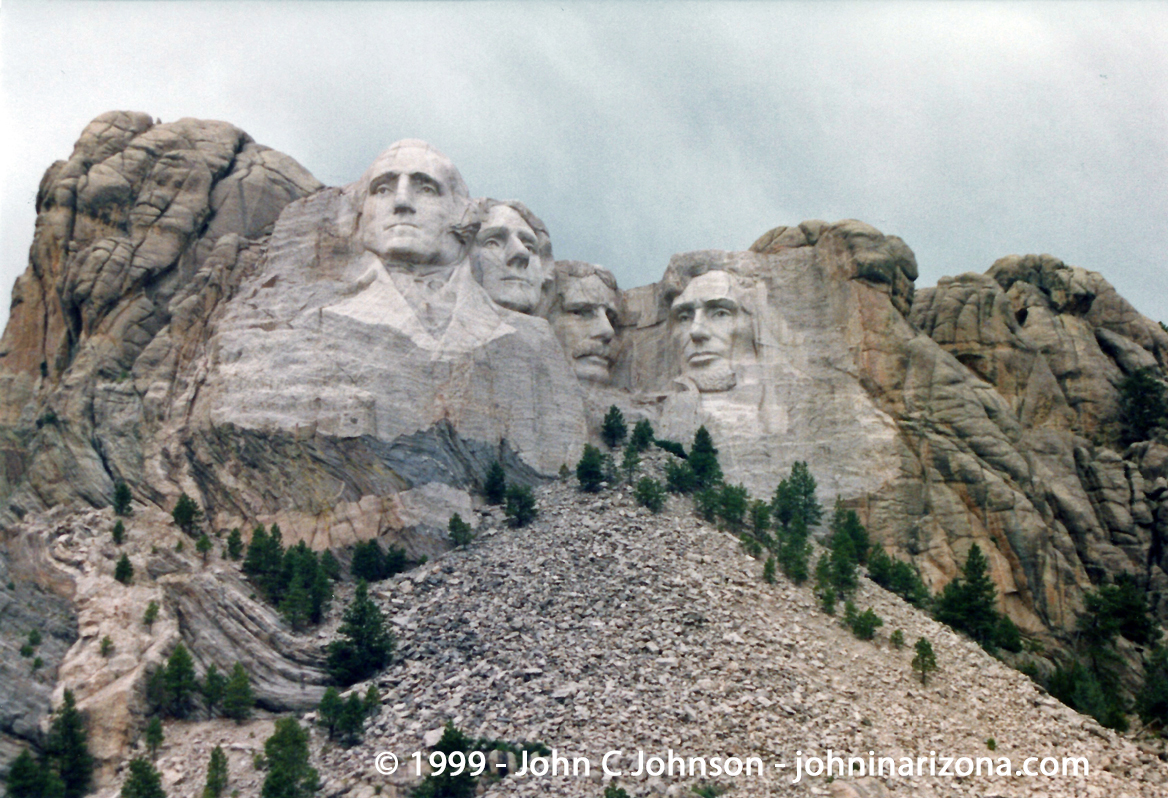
(640,130)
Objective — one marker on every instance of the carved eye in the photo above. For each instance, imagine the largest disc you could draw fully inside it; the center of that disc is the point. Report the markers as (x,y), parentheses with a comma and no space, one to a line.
(720,313)
(493,242)
(427,188)
(383,189)
(684,315)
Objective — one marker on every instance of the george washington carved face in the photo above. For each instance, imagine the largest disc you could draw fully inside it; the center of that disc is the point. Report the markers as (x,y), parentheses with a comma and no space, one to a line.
(413,201)
(713,330)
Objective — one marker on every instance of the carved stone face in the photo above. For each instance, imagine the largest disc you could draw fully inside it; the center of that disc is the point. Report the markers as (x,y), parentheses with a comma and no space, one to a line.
(411,207)
(714,332)
(506,256)
(586,327)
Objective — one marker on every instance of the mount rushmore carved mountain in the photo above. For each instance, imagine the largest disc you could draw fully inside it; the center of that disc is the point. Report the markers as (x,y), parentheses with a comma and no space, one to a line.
(201,316)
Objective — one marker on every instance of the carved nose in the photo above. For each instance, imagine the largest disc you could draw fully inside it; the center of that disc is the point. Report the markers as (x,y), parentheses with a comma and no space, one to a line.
(517,254)
(403,198)
(602,330)
(697,330)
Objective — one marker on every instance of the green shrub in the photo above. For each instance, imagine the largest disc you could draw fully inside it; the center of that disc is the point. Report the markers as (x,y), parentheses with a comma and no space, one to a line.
(151,614)
(897,639)
(238,699)
(865,624)
(460,532)
(768,570)
(679,477)
(733,501)
(706,503)
(590,469)
(235,544)
(630,462)
(446,784)
(1143,405)
(119,532)
(107,646)
(122,499)
(495,485)
(650,494)
(673,447)
(897,576)
(154,735)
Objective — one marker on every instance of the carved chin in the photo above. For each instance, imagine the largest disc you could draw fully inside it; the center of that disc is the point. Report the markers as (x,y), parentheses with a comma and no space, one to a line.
(714,380)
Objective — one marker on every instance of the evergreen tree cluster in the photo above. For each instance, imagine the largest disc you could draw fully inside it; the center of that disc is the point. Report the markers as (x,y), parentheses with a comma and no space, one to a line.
(66,769)
(1090,681)
(174,689)
(968,604)
(296,581)
(344,718)
(519,506)
(897,576)
(187,514)
(372,564)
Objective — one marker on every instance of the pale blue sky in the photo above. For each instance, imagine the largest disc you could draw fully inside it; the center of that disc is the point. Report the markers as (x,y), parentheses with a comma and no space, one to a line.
(637,130)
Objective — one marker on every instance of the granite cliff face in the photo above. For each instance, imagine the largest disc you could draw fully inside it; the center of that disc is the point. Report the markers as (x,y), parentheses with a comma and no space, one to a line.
(200,315)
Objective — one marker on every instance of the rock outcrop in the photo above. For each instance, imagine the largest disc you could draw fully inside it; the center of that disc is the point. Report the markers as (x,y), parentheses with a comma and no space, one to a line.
(200,315)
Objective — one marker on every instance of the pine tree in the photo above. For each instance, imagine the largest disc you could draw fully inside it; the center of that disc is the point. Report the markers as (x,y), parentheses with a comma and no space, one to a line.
(590,469)
(154,736)
(181,683)
(803,490)
(216,774)
(649,494)
(296,606)
(368,562)
(214,688)
(289,774)
(1152,699)
(320,596)
(68,750)
(733,501)
(679,477)
(329,566)
(352,720)
(124,570)
(235,544)
(119,532)
(642,436)
(495,485)
(768,571)
(186,514)
(520,508)
(967,603)
(613,429)
(703,460)
(203,546)
(630,462)
(237,696)
(365,646)
(925,661)
(29,778)
(122,499)
(150,615)
(143,781)
(328,712)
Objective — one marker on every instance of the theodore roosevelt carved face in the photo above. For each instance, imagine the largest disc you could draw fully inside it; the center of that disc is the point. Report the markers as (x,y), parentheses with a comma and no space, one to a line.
(414,200)
(508,256)
(713,330)
(584,317)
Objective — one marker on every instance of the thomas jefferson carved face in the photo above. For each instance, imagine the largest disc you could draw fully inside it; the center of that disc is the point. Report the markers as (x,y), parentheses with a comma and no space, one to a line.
(415,197)
(714,331)
(585,324)
(507,258)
